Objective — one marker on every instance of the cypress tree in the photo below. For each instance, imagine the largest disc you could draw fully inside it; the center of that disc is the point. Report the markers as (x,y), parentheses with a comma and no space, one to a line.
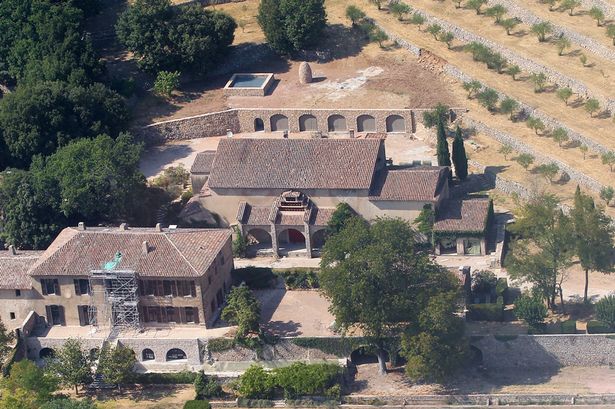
(459,156)
(444,157)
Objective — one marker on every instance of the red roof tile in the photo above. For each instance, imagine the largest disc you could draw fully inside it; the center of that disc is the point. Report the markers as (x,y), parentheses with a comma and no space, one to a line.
(202,162)
(294,163)
(416,184)
(14,269)
(462,216)
(179,253)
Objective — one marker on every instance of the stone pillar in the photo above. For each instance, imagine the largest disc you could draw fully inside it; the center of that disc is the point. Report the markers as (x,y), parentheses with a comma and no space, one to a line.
(460,247)
(274,241)
(308,239)
(483,246)
(437,249)
(305,73)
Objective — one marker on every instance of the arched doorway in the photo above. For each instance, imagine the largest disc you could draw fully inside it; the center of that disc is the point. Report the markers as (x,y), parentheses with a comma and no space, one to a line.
(46,353)
(366,123)
(176,354)
(259,125)
(363,355)
(291,240)
(337,123)
(308,123)
(396,123)
(279,123)
(148,355)
(259,241)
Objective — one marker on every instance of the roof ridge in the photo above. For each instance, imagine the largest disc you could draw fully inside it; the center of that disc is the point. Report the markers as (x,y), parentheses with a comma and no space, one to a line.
(41,259)
(181,254)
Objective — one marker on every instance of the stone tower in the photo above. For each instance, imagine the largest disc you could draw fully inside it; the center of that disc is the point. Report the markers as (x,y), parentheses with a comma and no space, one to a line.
(305,73)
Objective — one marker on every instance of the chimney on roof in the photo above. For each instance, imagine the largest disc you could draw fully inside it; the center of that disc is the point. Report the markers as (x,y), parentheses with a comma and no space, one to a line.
(158,227)
(123,227)
(145,248)
(81,226)
(12,251)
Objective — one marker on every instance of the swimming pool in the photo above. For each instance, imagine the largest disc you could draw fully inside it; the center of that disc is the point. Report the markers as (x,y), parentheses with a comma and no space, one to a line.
(249,84)
(249,81)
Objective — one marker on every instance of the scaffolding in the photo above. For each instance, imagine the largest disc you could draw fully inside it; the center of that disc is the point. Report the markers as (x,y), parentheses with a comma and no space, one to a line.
(114,296)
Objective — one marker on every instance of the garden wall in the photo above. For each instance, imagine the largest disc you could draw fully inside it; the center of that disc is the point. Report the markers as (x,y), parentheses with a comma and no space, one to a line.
(546,351)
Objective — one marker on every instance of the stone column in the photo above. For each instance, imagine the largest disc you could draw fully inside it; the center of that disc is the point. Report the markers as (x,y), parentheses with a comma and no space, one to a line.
(483,246)
(274,241)
(460,246)
(437,249)
(308,239)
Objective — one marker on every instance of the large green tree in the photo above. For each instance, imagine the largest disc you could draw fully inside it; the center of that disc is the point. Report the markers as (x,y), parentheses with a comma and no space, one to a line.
(71,364)
(460,159)
(116,364)
(244,310)
(69,404)
(163,37)
(292,25)
(442,152)
(45,40)
(378,282)
(38,118)
(27,387)
(435,345)
(594,236)
(543,247)
(343,212)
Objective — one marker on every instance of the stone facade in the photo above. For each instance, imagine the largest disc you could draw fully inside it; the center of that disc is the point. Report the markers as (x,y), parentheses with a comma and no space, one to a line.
(239,120)
(546,351)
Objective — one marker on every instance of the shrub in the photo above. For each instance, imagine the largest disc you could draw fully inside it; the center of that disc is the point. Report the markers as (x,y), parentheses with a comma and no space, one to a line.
(488,98)
(206,386)
(486,312)
(354,14)
(597,327)
(530,309)
(301,379)
(220,344)
(605,310)
(256,383)
(568,327)
(483,282)
(254,403)
(166,82)
(197,404)
(254,277)
(501,286)
(300,278)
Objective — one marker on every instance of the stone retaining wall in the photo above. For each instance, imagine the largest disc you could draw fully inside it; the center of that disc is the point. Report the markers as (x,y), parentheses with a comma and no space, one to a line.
(546,351)
(525,64)
(284,350)
(526,16)
(243,120)
(608,8)
(521,147)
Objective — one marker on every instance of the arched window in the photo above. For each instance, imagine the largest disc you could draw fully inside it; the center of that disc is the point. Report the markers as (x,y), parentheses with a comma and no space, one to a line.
(366,123)
(336,123)
(395,123)
(175,354)
(259,125)
(279,123)
(308,123)
(148,355)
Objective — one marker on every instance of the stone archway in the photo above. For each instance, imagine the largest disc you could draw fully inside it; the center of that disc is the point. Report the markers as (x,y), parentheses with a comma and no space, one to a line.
(308,123)
(279,123)
(46,353)
(259,125)
(291,240)
(366,123)
(337,123)
(176,354)
(395,123)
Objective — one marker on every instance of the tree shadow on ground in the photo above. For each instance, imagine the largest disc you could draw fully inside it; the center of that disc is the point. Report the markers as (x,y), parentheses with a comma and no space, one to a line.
(284,328)
(339,42)
(137,393)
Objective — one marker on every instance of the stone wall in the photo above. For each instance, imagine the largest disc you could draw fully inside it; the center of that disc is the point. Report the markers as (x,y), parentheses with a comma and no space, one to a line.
(546,351)
(524,63)
(521,147)
(609,9)
(526,16)
(200,126)
(355,401)
(242,120)
(284,350)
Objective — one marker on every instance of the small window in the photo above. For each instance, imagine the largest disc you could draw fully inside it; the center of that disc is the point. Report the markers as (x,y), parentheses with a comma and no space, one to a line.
(171,314)
(17,293)
(148,355)
(55,315)
(12,314)
(82,286)
(189,314)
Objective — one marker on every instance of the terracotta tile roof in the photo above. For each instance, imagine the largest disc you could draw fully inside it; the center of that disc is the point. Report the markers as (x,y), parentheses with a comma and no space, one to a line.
(256,215)
(416,184)
(14,269)
(203,161)
(294,163)
(462,216)
(290,218)
(321,216)
(180,253)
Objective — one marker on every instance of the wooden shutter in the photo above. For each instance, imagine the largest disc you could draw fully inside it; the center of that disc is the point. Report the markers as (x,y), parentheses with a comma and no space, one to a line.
(82,313)
(56,286)
(44,286)
(48,312)
(174,288)
(192,289)
(195,314)
(77,287)
(62,317)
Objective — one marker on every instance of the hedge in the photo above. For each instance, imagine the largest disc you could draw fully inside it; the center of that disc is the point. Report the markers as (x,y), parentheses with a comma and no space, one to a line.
(340,347)
(197,404)
(152,378)
(299,278)
(254,277)
(598,327)
(254,403)
(486,312)
(569,327)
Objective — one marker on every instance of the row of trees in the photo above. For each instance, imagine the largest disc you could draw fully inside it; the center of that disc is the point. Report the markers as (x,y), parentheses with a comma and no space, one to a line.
(547,241)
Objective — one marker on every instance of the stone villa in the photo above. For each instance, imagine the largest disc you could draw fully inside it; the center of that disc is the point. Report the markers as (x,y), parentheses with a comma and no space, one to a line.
(282,192)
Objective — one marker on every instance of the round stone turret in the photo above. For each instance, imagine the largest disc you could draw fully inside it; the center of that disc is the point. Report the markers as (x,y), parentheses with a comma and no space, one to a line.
(305,73)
